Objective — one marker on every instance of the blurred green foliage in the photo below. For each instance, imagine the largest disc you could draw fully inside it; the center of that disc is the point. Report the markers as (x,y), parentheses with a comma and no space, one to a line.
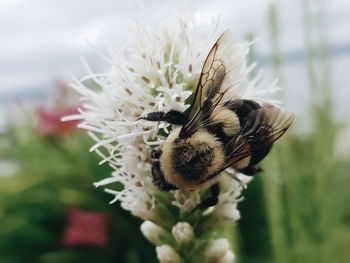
(54,174)
(298,209)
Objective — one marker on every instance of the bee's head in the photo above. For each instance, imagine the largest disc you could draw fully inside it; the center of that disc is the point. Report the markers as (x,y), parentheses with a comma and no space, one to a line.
(187,161)
(191,158)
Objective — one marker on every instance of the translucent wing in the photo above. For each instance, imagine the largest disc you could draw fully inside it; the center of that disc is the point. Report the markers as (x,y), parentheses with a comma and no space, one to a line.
(219,74)
(262,127)
(266,125)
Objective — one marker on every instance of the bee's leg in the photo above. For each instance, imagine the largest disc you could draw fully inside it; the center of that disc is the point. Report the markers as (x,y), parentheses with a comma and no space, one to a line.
(172,117)
(159,180)
(250,170)
(210,201)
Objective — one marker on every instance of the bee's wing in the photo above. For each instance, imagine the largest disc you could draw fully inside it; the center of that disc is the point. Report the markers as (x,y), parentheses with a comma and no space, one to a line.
(219,74)
(262,127)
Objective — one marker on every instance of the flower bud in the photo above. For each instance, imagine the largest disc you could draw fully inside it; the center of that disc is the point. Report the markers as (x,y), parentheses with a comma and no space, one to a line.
(166,254)
(152,232)
(227,212)
(186,200)
(182,232)
(219,251)
(229,257)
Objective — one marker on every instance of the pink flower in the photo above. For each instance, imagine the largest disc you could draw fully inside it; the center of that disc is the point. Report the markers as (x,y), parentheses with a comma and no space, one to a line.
(86,228)
(50,121)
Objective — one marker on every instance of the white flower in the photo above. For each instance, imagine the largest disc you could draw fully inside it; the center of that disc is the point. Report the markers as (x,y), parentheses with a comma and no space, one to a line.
(183,232)
(159,72)
(152,232)
(226,209)
(186,200)
(218,250)
(156,73)
(166,254)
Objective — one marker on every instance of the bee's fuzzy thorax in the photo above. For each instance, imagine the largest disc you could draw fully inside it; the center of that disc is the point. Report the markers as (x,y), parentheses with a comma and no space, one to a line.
(179,160)
(230,121)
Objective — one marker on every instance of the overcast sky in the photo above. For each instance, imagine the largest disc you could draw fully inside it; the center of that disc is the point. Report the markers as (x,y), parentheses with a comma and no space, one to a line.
(43,40)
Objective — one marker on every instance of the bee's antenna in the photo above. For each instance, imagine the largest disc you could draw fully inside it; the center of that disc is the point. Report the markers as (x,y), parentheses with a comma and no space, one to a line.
(241,184)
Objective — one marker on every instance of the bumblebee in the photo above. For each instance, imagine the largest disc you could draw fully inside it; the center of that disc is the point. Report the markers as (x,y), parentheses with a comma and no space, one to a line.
(216,132)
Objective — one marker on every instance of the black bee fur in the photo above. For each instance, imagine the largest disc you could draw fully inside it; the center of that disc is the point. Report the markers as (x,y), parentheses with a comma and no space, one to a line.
(159,180)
